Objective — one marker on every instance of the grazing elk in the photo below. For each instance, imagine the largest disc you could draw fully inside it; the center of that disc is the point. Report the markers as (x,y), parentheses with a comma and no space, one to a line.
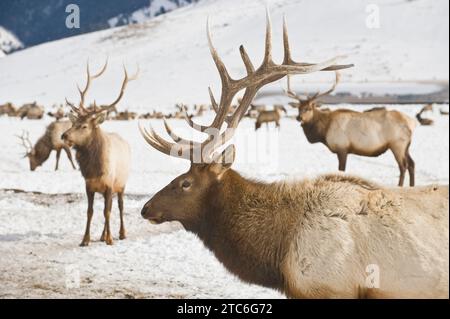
(104,158)
(425,121)
(50,141)
(369,133)
(312,238)
(270,116)
(7,109)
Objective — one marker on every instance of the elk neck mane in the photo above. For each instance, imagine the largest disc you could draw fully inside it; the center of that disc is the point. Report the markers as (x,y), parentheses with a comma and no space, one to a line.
(316,128)
(90,156)
(43,148)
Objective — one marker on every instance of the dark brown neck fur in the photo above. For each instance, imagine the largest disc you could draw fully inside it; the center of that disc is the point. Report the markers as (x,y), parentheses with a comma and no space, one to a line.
(247,228)
(316,129)
(42,149)
(90,156)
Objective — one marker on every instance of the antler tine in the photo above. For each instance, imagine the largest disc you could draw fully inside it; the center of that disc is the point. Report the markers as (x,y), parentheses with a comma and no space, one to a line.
(174,136)
(268,47)
(74,108)
(89,78)
(171,149)
(213,100)
(336,81)
(191,123)
(25,141)
(291,93)
(124,86)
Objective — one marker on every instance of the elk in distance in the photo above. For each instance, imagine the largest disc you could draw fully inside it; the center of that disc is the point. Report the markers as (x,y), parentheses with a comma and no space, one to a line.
(270,116)
(31,111)
(7,109)
(424,121)
(50,141)
(369,133)
(311,238)
(104,158)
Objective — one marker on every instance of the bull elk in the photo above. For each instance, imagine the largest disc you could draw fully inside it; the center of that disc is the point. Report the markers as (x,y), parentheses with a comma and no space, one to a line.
(270,116)
(369,133)
(104,158)
(311,238)
(50,141)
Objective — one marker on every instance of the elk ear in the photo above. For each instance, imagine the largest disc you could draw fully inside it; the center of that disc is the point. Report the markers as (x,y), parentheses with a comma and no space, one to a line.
(294,105)
(99,119)
(72,118)
(223,161)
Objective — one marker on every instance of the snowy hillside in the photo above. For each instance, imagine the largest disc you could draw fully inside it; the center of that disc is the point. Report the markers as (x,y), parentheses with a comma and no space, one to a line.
(8,42)
(176,66)
(156,8)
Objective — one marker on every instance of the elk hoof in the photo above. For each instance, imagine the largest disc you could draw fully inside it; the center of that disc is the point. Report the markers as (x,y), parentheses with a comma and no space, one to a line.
(122,236)
(109,241)
(84,243)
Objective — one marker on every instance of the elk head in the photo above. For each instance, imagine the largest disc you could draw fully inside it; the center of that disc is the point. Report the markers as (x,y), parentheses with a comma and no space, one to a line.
(307,103)
(85,121)
(186,197)
(30,152)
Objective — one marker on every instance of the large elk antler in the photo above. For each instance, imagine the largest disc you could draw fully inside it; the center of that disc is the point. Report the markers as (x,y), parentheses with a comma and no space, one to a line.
(254,80)
(314,97)
(81,110)
(25,142)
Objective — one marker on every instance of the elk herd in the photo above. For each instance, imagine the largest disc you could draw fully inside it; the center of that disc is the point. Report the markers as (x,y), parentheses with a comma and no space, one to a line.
(311,238)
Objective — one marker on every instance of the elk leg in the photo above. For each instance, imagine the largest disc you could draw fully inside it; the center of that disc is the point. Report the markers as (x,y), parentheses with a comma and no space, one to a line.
(122,233)
(107,213)
(402,163)
(58,154)
(411,169)
(342,158)
(69,156)
(90,212)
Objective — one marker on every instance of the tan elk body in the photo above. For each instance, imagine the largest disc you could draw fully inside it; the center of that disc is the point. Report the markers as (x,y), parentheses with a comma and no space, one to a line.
(50,141)
(369,133)
(269,116)
(104,158)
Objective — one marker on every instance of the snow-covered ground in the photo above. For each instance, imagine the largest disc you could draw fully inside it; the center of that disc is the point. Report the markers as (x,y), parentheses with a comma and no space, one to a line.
(411,44)
(40,233)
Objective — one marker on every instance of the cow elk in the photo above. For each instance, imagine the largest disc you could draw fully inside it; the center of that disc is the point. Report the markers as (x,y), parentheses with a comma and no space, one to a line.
(270,116)
(50,141)
(369,133)
(104,158)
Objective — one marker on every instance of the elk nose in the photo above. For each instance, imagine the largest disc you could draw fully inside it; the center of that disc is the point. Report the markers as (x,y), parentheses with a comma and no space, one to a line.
(63,136)
(144,210)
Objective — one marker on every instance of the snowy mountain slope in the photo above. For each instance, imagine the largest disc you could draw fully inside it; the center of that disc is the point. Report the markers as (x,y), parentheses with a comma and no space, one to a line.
(155,8)
(410,45)
(8,42)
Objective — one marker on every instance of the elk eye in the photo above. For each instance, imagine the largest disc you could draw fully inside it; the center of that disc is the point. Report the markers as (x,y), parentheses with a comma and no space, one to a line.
(84,127)
(186,184)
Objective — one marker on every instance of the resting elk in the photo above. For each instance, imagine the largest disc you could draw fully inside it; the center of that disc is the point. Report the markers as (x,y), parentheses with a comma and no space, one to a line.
(311,238)
(50,141)
(369,133)
(104,158)
(270,116)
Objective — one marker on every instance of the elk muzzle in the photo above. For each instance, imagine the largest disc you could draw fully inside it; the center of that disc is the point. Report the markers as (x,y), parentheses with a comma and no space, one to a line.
(151,214)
